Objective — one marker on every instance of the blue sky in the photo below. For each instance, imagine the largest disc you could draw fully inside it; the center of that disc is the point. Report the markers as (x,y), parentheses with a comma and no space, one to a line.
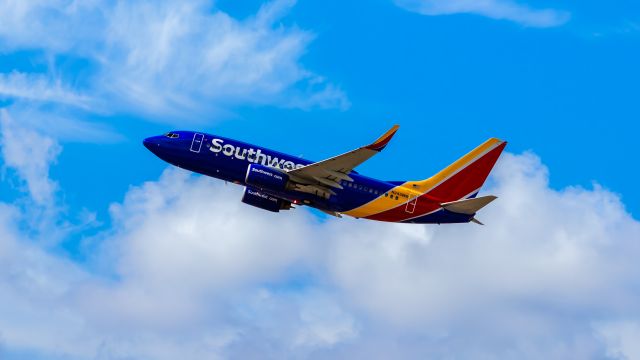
(82,84)
(564,92)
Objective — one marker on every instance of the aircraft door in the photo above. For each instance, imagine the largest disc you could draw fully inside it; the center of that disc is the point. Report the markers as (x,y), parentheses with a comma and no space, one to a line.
(196,144)
(411,205)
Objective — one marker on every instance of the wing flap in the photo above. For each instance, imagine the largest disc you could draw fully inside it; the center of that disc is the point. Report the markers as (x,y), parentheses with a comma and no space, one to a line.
(338,175)
(328,182)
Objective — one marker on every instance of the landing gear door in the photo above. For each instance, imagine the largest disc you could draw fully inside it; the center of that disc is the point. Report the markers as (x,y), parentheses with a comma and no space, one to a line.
(196,144)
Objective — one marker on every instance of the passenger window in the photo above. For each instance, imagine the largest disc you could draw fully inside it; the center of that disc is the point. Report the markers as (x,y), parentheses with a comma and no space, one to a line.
(396,197)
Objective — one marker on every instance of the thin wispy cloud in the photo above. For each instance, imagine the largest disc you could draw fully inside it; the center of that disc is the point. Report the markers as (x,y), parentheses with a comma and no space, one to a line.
(510,10)
(40,88)
(31,155)
(164,59)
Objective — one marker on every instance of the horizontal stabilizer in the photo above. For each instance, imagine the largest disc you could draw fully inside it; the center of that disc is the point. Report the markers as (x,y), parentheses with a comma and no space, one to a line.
(468,206)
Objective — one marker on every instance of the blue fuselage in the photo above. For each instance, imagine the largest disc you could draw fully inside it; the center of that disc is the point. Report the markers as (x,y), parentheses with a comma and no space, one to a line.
(228,160)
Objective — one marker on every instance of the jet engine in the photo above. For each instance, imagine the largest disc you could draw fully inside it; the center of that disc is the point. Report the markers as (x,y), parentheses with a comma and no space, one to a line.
(264,177)
(255,197)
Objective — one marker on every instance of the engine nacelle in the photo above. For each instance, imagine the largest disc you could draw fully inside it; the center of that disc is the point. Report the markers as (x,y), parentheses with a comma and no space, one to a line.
(255,197)
(264,177)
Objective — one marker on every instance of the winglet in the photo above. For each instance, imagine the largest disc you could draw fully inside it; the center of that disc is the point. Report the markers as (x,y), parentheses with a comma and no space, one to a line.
(383,140)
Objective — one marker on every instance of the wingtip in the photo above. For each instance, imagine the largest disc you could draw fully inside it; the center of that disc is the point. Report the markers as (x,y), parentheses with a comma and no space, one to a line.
(383,140)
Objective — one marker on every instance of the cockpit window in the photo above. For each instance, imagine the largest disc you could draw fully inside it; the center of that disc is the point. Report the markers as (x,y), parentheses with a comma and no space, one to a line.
(172,135)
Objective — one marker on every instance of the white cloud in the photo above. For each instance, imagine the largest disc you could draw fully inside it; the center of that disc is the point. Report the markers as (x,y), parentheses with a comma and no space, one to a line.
(164,59)
(34,285)
(496,9)
(189,271)
(39,88)
(556,247)
(30,154)
(211,253)
(622,338)
(61,124)
(201,291)
(177,56)
(527,285)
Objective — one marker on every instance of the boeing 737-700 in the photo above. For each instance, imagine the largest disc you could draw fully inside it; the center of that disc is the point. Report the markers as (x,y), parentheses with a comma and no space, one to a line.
(276,181)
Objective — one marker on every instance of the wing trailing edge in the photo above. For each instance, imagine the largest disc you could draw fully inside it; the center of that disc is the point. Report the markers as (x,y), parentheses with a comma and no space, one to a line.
(318,178)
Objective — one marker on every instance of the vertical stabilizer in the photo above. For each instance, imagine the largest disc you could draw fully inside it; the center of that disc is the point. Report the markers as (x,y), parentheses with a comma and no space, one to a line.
(464,177)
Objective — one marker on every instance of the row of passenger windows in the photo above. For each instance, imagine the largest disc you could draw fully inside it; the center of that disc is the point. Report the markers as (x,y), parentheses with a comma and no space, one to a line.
(366,189)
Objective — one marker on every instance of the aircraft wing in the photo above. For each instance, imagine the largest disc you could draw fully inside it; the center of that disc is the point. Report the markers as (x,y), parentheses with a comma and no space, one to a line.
(321,176)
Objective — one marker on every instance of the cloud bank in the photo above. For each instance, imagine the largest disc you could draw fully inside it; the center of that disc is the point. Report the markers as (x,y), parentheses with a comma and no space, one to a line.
(188,271)
(495,9)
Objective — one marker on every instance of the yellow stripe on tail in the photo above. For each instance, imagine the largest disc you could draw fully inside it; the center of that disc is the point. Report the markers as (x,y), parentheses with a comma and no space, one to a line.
(426,185)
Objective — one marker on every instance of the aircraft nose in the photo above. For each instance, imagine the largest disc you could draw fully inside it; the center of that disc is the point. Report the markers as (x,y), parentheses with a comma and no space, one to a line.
(150,143)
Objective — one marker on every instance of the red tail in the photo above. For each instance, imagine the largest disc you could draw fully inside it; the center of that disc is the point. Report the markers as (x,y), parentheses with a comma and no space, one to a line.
(464,177)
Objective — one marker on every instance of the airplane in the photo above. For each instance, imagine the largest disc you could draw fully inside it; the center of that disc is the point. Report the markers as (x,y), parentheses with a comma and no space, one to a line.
(276,181)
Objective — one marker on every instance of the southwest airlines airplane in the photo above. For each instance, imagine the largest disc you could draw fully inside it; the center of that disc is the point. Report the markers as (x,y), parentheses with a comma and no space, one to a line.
(276,181)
